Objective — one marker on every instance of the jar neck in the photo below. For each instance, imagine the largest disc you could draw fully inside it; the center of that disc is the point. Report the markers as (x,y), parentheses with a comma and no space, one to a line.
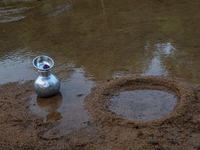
(45,73)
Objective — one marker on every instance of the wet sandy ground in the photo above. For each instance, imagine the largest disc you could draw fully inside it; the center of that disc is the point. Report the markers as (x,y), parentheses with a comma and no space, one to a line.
(92,42)
(105,130)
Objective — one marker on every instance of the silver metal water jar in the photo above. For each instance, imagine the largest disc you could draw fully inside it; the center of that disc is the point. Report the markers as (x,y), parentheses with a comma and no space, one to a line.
(46,84)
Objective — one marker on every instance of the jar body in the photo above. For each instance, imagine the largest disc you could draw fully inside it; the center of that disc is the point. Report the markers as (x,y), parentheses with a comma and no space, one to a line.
(47,85)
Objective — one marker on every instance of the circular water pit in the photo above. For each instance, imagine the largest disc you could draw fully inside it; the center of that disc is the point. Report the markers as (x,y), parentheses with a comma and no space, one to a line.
(143,105)
(132,100)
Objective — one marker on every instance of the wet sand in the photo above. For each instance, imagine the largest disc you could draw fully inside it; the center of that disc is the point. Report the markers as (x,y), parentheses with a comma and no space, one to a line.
(178,130)
(91,42)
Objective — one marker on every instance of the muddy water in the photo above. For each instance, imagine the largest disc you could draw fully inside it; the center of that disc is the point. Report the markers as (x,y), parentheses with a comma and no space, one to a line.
(143,105)
(93,41)
(66,108)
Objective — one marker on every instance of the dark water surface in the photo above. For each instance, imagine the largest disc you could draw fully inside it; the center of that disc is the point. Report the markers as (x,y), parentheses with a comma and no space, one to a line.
(92,41)
(143,105)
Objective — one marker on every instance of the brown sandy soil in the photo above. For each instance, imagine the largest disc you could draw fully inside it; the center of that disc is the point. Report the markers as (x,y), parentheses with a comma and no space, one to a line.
(19,129)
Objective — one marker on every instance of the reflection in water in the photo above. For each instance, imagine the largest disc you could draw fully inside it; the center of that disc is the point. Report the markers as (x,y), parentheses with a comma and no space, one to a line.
(59,10)
(67,109)
(143,105)
(19,61)
(54,115)
(118,47)
(9,13)
(165,48)
(93,41)
(50,105)
(156,66)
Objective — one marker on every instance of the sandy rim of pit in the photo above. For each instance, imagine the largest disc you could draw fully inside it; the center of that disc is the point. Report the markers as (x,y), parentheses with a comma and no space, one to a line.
(98,101)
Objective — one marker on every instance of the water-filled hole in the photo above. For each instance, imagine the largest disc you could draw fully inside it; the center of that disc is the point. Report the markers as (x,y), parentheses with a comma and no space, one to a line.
(143,105)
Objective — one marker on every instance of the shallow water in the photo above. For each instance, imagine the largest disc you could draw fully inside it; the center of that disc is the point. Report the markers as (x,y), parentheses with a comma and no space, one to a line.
(93,41)
(143,105)
(66,108)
